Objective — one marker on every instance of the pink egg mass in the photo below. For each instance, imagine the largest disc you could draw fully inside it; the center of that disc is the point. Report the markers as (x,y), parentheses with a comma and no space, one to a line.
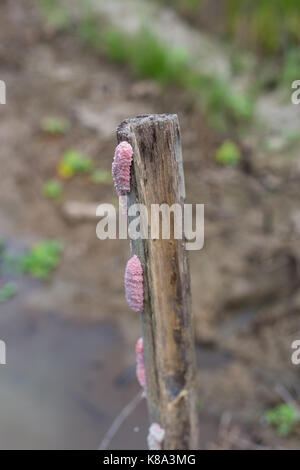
(155,437)
(134,288)
(121,168)
(140,363)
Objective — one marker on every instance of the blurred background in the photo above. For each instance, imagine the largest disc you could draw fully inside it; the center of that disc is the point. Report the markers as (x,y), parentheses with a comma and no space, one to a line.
(74,70)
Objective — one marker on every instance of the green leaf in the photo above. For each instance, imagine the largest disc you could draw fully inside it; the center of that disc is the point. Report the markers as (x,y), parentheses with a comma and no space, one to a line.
(42,259)
(228,153)
(73,162)
(283,418)
(52,189)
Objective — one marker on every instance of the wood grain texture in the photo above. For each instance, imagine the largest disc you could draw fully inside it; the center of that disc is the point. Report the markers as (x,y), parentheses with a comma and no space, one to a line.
(156,178)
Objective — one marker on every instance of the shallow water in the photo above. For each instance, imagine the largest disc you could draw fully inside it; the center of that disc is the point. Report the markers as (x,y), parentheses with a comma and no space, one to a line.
(64,381)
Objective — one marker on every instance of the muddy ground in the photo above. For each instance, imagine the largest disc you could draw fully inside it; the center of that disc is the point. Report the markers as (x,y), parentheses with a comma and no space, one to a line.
(245,282)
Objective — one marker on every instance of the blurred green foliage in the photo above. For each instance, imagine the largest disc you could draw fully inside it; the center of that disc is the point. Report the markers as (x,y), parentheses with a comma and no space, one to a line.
(91,33)
(53,189)
(219,99)
(144,53)
(148,57)
(2,247)
(7,291)
(292,138)
(291,65)
(73,163)
(39,261)
(42,259)
(283,418)
(11,263)
(55,126)
(228,153)
(101,176)
(188,6)
(270,26)
(57,16)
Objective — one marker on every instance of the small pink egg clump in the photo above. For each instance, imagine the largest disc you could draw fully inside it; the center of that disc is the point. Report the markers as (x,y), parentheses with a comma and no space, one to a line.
(155,437)
(134,288)
(123,204)
(140,363)
(121,168)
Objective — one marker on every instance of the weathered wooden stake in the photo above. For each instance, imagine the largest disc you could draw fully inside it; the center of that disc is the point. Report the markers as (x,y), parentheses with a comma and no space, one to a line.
(156,178)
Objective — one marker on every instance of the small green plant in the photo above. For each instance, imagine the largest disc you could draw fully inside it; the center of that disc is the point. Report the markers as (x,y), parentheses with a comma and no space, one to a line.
(150,58)
(116,45)
(42,259)
(223,103)
(283,418)
(55,126)
(52,189)
(228,153)
(74,163)
(101,176)
(8,291)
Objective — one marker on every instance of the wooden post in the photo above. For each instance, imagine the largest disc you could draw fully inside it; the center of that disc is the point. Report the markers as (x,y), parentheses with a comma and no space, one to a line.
(156,178)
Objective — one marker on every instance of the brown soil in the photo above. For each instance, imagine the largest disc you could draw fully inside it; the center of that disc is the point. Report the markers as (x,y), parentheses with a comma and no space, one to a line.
(244,282)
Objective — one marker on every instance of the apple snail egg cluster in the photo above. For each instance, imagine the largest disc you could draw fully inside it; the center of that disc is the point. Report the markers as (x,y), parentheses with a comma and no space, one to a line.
(121,168)
(155,437)
(134,288)
(140,363)
(134,272)
(134,284)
